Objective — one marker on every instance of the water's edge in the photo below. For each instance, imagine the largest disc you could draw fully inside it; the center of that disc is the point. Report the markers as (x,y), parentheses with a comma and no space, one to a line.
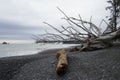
(27,49)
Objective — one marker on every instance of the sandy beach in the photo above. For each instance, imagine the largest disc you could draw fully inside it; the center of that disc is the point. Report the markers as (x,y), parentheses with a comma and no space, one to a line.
(94,65)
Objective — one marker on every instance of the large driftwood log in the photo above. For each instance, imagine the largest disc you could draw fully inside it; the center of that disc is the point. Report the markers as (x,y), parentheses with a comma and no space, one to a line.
(111,36)
(62,61)
(94,46)
(101,42)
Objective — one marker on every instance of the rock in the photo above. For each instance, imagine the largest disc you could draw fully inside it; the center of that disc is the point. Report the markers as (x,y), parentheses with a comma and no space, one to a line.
(4,43)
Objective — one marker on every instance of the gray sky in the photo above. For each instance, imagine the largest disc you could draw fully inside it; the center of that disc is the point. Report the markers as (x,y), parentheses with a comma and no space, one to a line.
(19,19)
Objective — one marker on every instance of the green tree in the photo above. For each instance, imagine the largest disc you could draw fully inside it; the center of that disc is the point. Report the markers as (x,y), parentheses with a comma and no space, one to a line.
(115,14)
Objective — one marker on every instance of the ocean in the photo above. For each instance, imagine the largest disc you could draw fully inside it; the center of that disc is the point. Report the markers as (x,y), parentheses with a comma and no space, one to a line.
(27,49)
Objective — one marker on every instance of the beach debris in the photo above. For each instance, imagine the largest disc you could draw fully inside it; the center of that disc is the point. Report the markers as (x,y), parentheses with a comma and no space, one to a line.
(86,33)
(96,45)
(73,49)
(62,61)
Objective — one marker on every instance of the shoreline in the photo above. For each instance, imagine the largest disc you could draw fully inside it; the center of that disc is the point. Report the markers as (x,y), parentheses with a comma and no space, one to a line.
(11,50)
(94,65)
(9,66)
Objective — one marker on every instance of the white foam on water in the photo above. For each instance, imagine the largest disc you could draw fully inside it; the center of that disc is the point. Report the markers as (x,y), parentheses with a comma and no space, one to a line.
(27,49)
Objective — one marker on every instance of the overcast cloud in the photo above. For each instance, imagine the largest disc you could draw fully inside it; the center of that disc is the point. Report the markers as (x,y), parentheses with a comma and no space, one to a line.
(19,19)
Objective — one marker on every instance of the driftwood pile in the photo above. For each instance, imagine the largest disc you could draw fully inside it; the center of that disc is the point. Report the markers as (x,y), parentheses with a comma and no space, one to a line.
(62,61)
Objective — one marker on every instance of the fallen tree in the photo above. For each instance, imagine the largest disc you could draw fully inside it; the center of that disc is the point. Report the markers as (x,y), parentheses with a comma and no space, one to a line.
(86,33)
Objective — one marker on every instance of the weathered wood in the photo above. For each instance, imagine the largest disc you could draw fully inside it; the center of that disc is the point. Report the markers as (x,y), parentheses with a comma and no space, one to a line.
(86,33)
(73,49)
(108,37)
(62,61)
(96,45)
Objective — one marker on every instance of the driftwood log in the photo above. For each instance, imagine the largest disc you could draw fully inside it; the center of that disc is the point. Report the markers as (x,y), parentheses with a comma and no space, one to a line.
(101,42)
(62,61)
(109,37)
(73,49)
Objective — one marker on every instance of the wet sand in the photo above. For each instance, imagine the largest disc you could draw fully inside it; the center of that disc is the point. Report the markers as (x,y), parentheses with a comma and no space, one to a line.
(94,65)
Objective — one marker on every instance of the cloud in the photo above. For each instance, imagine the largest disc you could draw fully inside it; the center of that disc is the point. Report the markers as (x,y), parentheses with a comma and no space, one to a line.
(14,31)
(21,18)
(34,12)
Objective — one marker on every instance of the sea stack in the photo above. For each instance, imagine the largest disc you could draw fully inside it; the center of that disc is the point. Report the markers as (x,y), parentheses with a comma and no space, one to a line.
(4,43)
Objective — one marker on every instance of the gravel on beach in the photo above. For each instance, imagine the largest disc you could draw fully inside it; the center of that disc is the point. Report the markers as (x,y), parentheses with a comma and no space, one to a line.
(94,65)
